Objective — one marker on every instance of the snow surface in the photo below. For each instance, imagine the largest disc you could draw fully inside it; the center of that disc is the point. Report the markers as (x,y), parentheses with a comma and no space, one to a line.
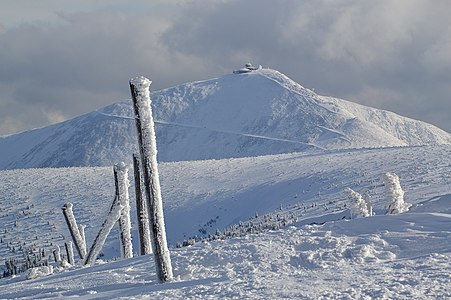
(404,256)
(237,115)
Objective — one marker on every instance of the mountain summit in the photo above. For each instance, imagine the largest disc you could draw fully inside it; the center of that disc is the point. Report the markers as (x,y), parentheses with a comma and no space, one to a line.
(242,114)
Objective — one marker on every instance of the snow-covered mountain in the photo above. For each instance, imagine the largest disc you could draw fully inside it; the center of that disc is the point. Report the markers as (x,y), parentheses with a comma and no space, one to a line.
(237,115)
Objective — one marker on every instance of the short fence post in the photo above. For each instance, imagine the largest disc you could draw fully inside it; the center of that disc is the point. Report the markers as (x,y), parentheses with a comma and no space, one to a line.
(74,231)
(57,254)
(122,184)
(69,252)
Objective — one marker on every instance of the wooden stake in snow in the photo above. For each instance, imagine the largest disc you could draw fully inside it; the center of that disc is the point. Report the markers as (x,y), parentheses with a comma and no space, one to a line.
(81,229)
(122,184)
(108,224)
(78,238)
(141,210)
(69,252)
(139,88)
(57,254)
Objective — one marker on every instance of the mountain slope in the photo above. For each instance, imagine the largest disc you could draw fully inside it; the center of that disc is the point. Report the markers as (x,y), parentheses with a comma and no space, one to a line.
(215,194)
(236,115)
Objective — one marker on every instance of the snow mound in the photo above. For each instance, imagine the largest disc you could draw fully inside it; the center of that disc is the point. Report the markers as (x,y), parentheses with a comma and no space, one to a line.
(39,272)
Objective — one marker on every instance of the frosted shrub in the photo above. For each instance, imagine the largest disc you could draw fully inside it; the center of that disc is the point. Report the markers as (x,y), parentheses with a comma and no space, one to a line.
(359,207)
(394,194)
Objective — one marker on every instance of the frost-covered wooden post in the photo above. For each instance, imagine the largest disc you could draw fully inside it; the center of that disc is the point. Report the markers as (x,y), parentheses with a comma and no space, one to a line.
(122,184)
(81,229)
(57,254)
(79,240)
(140,92)
(111,218)
(69,252)
(141,210)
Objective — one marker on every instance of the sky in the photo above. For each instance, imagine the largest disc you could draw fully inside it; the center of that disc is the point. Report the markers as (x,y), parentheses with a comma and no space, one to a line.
(60,59)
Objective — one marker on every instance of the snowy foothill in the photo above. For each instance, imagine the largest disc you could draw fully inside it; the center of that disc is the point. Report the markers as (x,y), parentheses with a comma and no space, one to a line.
(320,256)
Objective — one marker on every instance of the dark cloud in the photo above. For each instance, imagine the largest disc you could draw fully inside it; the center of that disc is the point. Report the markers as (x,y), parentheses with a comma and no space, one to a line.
(387,54)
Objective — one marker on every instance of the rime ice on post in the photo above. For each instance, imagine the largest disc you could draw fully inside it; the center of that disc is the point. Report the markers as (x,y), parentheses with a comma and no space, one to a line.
(69,252)
(79,240)
(141,210)
(139,87)
(81,229)
(122,184)
(57,254)
(108,224)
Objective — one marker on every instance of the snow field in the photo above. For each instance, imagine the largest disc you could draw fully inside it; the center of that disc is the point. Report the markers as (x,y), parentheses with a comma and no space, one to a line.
(383,256)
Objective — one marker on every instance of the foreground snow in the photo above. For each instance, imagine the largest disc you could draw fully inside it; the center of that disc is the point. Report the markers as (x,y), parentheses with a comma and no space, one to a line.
(405,256)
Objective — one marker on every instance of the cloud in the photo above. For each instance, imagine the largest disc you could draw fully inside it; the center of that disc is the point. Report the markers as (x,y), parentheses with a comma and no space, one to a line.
(82,65)
(387,54)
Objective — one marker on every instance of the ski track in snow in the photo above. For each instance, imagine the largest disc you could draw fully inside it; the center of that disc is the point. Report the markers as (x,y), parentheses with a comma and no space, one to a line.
(406,256)
(218,130)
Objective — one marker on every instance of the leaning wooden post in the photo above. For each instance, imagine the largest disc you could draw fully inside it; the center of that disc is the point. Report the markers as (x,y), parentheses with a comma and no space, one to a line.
(111,218)
(141,210)
(122,184)
(79,241)
(140,92)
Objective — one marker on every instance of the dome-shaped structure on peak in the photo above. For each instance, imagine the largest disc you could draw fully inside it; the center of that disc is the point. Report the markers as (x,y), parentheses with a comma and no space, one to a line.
(247,68)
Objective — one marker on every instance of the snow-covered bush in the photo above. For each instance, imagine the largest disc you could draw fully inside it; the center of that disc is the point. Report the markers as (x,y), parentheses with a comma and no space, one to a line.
(39,272)
(359,207)
(394,194)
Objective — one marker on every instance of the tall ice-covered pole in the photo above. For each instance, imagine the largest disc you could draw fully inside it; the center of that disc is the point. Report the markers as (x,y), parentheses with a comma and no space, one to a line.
(139,88)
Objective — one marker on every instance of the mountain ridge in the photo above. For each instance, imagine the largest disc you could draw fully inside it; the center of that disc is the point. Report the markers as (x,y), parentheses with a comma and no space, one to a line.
(257,113)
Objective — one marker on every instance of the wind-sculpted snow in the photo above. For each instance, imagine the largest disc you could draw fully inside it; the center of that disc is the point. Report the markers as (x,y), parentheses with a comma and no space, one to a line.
(387,257)
(237,115)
